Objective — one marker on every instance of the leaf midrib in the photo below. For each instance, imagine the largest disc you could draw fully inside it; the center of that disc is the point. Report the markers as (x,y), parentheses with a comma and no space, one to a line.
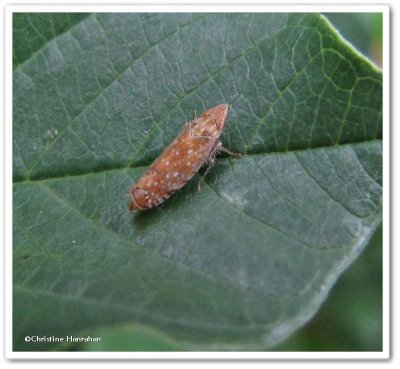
(147,163)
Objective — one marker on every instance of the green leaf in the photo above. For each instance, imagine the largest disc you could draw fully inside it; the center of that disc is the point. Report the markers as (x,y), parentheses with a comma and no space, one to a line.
(32,31)
(240,265)
(359,325)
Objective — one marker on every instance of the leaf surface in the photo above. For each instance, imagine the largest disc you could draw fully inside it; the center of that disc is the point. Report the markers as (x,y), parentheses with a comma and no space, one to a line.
(248,260)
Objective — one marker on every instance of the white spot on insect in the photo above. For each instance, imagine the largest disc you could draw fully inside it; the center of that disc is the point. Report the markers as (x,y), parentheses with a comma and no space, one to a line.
(167,162)
(190,151)
(175,186)
(176,174)
(176,152)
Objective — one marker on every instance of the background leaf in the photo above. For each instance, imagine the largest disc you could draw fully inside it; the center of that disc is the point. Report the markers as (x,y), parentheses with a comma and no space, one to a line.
(251,258)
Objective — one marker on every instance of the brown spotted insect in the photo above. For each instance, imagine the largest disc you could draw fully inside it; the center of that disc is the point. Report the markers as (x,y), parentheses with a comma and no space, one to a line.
(197,144)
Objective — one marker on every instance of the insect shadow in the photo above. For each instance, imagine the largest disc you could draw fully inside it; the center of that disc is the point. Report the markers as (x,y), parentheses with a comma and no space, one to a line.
(143,219)
(218,170)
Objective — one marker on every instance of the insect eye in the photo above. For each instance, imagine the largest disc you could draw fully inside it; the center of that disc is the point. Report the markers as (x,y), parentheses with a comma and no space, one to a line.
(139,199)
(140,195)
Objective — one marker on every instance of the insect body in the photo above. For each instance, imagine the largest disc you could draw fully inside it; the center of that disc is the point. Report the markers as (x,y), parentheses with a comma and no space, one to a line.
(196,145)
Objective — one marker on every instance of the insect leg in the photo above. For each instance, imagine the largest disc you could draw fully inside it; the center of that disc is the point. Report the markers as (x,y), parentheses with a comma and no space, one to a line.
(224,149)
(210,162)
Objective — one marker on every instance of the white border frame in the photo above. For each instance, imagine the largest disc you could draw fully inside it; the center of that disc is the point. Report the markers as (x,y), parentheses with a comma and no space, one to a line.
(181,6)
